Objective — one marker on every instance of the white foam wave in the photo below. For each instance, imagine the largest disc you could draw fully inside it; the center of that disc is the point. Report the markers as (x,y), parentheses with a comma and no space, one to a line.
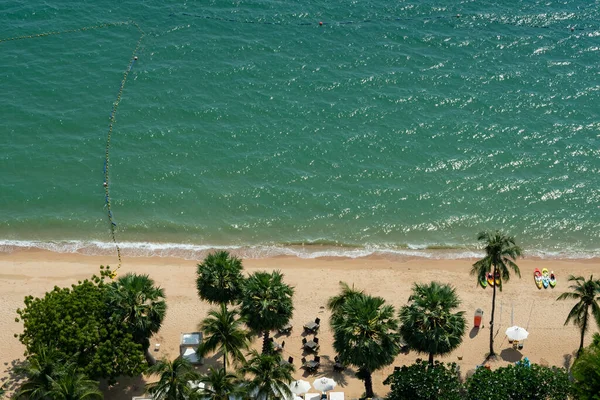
(197,252)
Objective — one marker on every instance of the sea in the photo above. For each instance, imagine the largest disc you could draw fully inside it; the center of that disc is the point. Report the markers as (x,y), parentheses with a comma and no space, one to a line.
(310,128)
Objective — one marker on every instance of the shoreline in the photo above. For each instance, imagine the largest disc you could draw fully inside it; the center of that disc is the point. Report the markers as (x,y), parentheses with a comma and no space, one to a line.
(315,250)
(34,272)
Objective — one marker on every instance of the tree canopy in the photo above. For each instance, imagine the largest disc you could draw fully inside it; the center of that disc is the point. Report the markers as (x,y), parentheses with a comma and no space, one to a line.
(219,279)
(76,324)
(586,371)
(429,323)
(422,381)
(365,334)
(266,303)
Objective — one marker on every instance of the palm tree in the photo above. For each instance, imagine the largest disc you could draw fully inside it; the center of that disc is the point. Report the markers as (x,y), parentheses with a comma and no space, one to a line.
(501,252)
(223,332)
(40,369)
(365,334)
(585,371)
(219,385)
(428,323)
(335,303)
(266,304)
(585,293)
(140,305)
(174,378)
(220,278)
(270,376)
(75,386)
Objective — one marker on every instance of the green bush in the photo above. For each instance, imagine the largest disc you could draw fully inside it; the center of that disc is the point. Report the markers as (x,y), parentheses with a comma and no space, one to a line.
(78,326)
(422,381)
(521,381)
(586,372)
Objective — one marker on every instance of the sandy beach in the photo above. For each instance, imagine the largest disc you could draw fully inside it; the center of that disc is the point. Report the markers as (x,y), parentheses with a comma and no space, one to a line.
(315,280)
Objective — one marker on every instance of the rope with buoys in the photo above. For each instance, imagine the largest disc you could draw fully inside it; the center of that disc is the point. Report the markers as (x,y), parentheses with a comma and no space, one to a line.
(85,28)
(472,17)
(111,124)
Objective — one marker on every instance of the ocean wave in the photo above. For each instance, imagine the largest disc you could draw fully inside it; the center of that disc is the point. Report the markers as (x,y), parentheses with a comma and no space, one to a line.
(310,250)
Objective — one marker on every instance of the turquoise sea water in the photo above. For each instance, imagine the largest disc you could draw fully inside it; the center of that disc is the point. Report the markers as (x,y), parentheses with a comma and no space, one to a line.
(393,126)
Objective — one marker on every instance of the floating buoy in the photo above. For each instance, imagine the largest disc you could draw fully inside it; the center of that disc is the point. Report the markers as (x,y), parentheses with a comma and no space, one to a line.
(320,23)
(135,58)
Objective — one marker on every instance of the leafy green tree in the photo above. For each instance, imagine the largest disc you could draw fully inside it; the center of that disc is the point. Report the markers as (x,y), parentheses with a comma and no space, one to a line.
(220,279)
(74,386)
(335,303)
(365,334)
(219,385)
(429,324)
(140,306)
(174,378)
(270,376)
(586,372)
(77,322)
(40,369)
(521,381)
(587,295)
(266,304)
(223,331)
(424,381)
(501,253)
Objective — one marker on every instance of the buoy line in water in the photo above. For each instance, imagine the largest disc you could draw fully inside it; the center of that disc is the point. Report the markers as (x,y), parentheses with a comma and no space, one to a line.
(113,112)
(473,17)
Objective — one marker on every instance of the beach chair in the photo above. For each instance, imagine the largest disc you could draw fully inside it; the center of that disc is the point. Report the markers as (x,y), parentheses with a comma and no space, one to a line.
(313,326)
(312,396)
(338,366)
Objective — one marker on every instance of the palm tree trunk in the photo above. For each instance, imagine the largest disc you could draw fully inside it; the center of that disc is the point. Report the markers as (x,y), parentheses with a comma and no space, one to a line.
(492,318)
(266,347)
(431,359)
(225,361)
(583,329)
(368,385)
(149,357)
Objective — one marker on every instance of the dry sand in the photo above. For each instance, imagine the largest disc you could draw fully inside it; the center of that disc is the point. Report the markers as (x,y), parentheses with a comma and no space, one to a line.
(315,280)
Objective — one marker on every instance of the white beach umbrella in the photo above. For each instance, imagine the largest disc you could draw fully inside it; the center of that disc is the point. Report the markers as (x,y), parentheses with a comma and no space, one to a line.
(517,333)
(324,384)
(299,387)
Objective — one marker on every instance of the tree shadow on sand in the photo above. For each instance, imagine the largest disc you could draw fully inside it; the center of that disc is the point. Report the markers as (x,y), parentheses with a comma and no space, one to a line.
(511,355)
(12,380)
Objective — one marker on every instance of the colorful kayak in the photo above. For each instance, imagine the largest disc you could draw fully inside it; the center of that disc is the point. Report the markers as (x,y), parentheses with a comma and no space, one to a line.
(490,279)
(552,279)
(545,277)
(483,283)
(537,276)
(497,278)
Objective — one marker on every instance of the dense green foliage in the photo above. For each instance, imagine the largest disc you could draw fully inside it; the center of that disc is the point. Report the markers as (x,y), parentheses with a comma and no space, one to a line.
(77,325)
(429,324)
(173,382)
(269,376)
(335,303)
(586,371)
(501,252)
(219,385)
(266,304)
(365,334)
(521,381)
(423,381)
(41,368)
(587,294)
(219,279)
(139,305)
(223,331)
(74,386)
